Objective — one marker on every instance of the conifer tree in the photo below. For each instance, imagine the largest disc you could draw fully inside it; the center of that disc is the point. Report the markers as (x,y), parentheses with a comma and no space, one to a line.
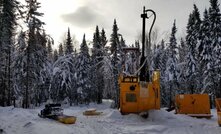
(163,72)
(114,38)
(84,48)
(205,34)
(97,56)
(163,57)
(172,70)
(215,31)
(64,74)
(192,39)
(55,55)
(60,50)
(64,80)
(122,45)
(69,49)
(83,74)
(97,44)
(35,54)
(49,50)
(19,64)
(106,68)
(114,42)
(205,51)
(183,51)
(155,59)
(122,42)
(103,38)
(7,26)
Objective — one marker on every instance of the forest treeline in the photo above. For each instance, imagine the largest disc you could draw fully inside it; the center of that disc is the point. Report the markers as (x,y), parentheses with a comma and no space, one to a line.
(31,72)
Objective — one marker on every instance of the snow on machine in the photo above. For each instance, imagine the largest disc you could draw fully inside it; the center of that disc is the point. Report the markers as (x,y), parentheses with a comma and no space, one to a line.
(55,112)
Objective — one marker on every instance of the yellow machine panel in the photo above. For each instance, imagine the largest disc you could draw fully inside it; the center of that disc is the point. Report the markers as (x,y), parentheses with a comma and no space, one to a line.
(218,108)
(196,105)
(136,96)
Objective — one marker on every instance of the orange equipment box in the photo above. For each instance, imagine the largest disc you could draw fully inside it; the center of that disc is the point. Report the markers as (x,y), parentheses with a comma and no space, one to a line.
(196,105)
(218,108)
(137,96)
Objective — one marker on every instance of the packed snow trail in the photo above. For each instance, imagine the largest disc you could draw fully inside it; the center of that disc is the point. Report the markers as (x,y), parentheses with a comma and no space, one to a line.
(26,121)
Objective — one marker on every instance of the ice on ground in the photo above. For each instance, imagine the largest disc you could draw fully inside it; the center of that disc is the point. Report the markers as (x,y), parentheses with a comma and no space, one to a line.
(26,121)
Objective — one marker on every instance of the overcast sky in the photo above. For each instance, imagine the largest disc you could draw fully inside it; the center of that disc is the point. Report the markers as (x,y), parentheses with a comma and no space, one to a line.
(82,16)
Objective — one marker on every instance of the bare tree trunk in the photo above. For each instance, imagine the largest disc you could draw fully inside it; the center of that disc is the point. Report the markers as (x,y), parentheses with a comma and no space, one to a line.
(3,92)
(170,99)
(9,78)
(4,84)
(27,78)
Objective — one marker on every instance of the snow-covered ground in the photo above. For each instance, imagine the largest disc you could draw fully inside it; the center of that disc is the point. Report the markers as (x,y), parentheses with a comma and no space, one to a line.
(26,121)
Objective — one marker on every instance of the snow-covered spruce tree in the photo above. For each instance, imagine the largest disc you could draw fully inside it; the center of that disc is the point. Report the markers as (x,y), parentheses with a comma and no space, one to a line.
(103,38)
(97,57)
(83,74)
(7,27)
(114,42)
(156,57)
(35,55)
(64,75)
(122,55)
(182,51)
(205,34)
(69,45)
(215,28)
(50,50)
(105,68)
(192,38)
(108,77)
(171,69)
(104,48)
(164,54)
(205,54)
(117,44)
(46,72)
(130,62)
(122,42)
(19,66)
(160,57)
(60,50)
(55,55)
(64,80)
(114,38)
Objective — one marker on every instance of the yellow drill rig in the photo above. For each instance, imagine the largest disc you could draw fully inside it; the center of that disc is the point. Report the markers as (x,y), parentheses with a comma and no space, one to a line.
(140,93)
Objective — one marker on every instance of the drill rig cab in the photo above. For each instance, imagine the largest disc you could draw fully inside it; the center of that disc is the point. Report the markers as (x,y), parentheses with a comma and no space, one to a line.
(138,92)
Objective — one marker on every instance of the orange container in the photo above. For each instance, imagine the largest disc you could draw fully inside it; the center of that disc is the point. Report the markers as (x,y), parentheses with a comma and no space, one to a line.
(218,108)
(197,105)
(136,96)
